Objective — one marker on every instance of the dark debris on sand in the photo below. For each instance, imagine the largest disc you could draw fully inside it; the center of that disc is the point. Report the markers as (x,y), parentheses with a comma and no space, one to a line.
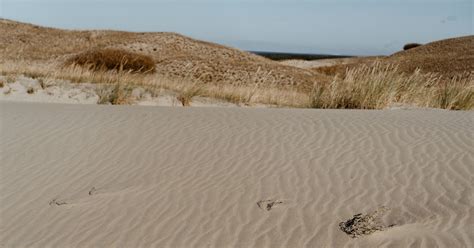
(360,224)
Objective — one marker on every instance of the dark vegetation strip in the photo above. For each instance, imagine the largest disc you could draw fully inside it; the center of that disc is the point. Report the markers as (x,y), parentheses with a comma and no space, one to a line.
(302,56)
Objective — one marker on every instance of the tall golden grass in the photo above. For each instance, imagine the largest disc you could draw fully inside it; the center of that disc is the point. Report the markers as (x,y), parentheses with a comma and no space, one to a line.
(379,86)
(374,86)
(185,88)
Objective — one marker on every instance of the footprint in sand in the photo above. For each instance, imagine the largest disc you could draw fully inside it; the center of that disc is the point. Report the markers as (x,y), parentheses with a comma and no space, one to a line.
(93,191)
(268,204)
(82,198)
(57,202)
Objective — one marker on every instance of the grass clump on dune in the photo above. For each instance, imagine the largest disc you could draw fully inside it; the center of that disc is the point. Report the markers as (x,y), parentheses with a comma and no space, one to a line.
(380,86)
(113,59)
(113,94)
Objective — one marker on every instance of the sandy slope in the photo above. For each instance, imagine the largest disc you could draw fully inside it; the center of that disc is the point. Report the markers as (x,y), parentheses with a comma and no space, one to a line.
(129,176)
(61,91)
(176,56)
(449,58)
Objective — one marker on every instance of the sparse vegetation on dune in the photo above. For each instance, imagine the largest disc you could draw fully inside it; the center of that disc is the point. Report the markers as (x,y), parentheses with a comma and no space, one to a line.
(113,94)
(438,74)
(113,59)
(187,92)
(175,55)
(374,86)
(450,58)
(184,88)
(379,86)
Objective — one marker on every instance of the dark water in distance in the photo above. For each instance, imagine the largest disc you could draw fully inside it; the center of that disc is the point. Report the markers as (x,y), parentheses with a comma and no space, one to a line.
(302,56)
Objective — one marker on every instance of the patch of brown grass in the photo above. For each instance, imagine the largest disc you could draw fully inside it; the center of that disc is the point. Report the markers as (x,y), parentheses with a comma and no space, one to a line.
(332,70)
(114,94)
(340,67)
(186,93)
(113,59)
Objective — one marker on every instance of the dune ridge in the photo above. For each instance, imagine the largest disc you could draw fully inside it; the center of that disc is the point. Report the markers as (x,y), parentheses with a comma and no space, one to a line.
(176,55)
(449,58)
(130,176)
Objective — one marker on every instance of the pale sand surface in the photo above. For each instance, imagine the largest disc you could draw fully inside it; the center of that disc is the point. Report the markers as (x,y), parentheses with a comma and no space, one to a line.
(134,176)
(61,91)
(308,64)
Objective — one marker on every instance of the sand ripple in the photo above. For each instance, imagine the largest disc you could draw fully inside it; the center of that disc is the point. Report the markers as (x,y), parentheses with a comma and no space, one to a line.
(105,176)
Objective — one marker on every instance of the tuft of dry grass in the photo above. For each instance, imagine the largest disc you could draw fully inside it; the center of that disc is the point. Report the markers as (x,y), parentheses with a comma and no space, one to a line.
(11,79)
(410,46)
(379,86)
(113,59)
(113,94)
(41,83)
(186,93)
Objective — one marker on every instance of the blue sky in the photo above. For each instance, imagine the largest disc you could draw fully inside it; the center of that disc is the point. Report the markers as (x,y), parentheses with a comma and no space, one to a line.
(364,27)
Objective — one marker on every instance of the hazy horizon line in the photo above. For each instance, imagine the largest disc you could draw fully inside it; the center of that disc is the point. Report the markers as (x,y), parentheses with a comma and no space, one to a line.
(233,44)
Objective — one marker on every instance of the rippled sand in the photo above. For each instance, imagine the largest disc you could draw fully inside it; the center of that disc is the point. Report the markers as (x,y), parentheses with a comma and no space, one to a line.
(131,176)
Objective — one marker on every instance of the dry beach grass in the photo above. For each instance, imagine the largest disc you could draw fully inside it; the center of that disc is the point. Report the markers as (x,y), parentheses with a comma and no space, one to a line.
(242,94)
(374,86)
(437,75)
(113,59)
(378,86)
(175,56)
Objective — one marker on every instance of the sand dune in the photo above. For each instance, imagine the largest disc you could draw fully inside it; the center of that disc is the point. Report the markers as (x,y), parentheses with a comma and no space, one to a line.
(104,176)
(176,56)
(449,58)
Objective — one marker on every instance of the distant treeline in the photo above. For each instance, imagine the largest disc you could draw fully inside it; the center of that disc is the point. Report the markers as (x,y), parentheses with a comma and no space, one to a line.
(302,56)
